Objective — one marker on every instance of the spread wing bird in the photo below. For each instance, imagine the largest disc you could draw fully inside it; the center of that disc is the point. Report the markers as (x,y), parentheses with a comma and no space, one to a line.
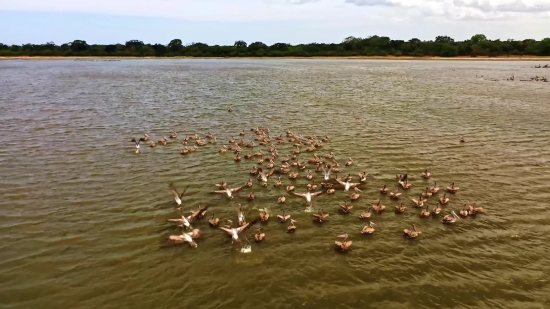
(229,192)
(183,221)
(199,213)
(177,196)
(308,195)
(185,237)
(348,185)
(326,170)
(137,141)
(263,176)
(234,232)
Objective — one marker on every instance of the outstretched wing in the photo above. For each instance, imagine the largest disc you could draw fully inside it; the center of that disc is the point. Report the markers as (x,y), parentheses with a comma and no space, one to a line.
(299,194)
(340,182)
(316,193)
(219,191)
(234,190)
(194,233)
(228,231)
(246,226)
(175,193)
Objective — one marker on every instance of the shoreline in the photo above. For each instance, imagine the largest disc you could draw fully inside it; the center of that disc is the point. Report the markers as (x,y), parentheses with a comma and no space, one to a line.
(479,58)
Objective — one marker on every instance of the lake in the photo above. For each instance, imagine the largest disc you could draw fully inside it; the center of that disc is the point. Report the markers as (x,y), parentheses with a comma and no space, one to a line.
(83,218)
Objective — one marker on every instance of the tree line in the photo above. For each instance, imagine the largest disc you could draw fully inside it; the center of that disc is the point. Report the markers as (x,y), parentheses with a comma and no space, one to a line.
(443,46)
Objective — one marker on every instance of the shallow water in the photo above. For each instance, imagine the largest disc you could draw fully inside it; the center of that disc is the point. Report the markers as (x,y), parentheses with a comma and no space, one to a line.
(83,217)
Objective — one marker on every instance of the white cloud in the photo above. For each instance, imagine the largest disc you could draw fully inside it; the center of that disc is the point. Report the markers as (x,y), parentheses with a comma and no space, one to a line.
(395,18)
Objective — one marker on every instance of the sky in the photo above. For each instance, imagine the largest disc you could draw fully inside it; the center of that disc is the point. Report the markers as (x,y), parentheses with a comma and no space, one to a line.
(270,21)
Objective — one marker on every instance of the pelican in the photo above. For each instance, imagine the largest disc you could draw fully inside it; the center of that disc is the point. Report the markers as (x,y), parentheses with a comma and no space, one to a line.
(347,185)
(452,189)
(444,199)
(345,245)
(326,171)
(259,236)
(178,196)
(411,233)
(183,221)
(308,195)
(141,139)
(262,176)
(349,162)
(448,219)
(363,177)
(185,237)
(283,217)
(368,229)
(426,174)
(240,216)
(214,221)
(321,216)
(234,232)
(291,228)
(229,192)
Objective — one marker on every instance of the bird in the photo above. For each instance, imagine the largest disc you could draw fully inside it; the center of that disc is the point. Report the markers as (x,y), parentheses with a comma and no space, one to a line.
(178,196)
(411,233)
(141,139)
(229,192)
(344,245)
(348,185)
(308,195)
(185,237)
(234,232)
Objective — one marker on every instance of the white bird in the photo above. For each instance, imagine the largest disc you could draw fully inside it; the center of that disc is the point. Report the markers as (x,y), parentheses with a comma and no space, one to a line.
(186,237)
(327,172)
(347,185)
(308,195)
(141,139)
(177,196)
(263,176)
(234,232)
(184,222)
(229,192)
(240,215)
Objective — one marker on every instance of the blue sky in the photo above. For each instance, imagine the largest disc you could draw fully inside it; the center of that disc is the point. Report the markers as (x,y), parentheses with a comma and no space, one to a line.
(269,21)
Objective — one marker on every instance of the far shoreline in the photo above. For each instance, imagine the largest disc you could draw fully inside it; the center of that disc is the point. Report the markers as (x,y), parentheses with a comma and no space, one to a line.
(478,58)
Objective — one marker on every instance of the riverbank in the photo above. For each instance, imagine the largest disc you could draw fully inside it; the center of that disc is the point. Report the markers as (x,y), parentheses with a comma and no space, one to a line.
(484,58)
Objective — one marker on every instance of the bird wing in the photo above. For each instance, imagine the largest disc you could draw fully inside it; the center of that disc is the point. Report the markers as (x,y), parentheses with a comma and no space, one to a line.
(234,190)
(316,193)
(228,231)
(299,194)
(246,226)
(340,182)
(175,193)
(219,191)
(176,239)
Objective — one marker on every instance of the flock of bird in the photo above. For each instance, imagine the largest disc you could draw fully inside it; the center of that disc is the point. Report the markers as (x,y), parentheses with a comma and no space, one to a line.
(269,172)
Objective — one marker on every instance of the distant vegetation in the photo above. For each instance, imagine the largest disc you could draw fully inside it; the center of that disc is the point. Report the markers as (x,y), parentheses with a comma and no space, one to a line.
(444,46)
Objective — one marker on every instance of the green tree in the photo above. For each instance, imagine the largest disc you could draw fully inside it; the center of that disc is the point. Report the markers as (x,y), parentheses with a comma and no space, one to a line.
(240,44)
(175,45)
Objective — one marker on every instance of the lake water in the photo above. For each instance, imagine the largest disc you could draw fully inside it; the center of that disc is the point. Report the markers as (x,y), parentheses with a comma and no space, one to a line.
(83,218)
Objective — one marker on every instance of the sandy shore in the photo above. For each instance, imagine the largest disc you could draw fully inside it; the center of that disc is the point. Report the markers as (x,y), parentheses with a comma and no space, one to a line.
(499,58)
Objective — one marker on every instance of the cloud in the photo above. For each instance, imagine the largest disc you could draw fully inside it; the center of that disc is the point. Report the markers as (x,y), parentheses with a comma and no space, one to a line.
(503,6)
(371,2)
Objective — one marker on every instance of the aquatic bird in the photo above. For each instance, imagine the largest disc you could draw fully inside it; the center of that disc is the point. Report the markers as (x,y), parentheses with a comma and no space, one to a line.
(183,221)
(368,229)
(229,192)
(214,222)
(474,210)
(174,134)
(448,219)
(462,140)
(291,228)
(264,215)
(347,185)
(308,195)
(278,182)
(152,144)
(363,177)
(326,171)
(345,207)
(234,232)
(349,162)
(222,186)
(405,184)
(145,137)
(452,189)
(355,195)
(436,210)
(281,199)
(384,190)
(309,175)
(137,142)
(426,193)
(396,194)
(290,188)
(177,196)
(464,212)
(366,214)
(185,237)
(251,196)
(378,208)
(434,189)
(249,183)
(283,218)
(259,236)
(240,216)
(400,209)
(444,199)
(411,233)
(321,216)
(426,174)
(419,202)
(425,213)
(199,213)
(344,245)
